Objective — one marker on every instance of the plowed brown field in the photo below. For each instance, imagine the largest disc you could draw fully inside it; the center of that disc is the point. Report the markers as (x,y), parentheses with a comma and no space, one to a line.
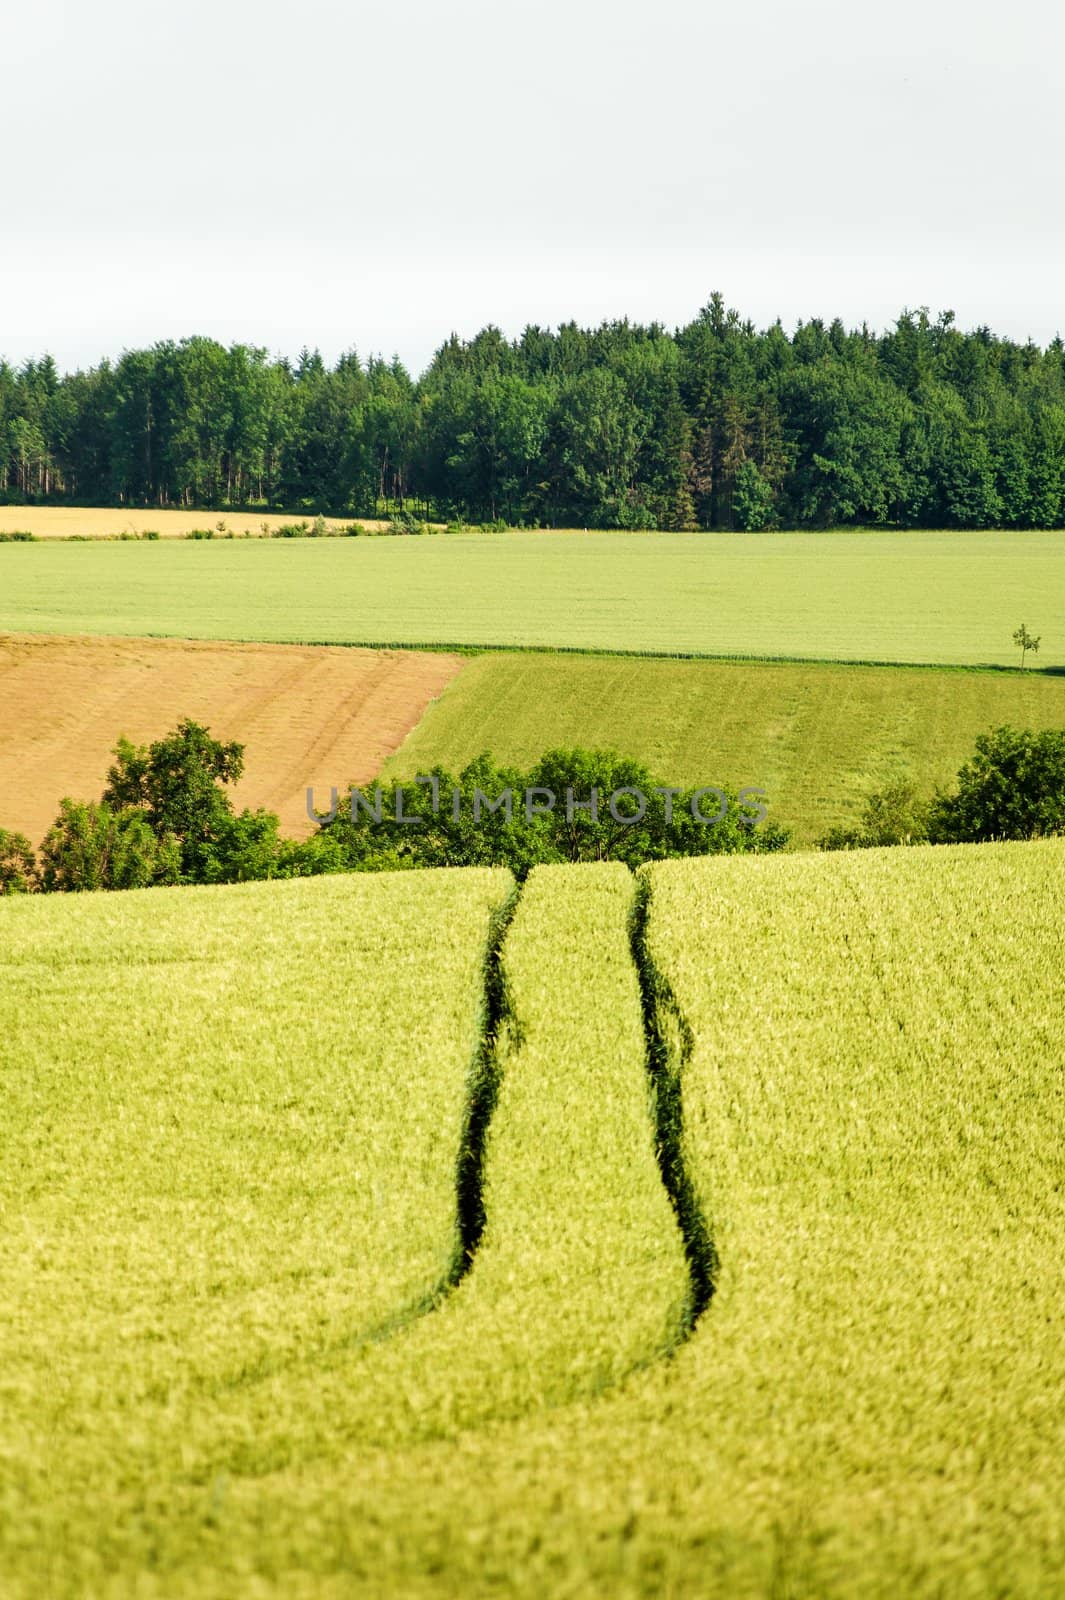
(308,715)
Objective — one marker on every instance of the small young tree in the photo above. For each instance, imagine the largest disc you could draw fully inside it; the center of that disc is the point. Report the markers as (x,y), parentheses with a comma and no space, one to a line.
(1026,642)
(18,864)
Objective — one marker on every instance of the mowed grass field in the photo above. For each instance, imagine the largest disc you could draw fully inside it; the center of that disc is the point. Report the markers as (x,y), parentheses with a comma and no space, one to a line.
(870,596)
(817,738)
(230,1122)
(307,716)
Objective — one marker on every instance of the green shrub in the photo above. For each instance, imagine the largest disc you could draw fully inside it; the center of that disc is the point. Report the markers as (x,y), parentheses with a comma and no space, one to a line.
(1012,788)
(405,522)
(18,864)
(17,536)
(200,533)
(292,530)
(91,845)
(894,815)
(310,858)
(245,849)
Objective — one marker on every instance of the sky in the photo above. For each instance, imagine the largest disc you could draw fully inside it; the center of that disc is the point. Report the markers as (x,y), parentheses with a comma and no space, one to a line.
(346,175)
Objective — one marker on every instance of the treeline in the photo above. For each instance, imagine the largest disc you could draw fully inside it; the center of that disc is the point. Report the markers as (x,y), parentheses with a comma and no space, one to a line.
(714,425)
(165,818)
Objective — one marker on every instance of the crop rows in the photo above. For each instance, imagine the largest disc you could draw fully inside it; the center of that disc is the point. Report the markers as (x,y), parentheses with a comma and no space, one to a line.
(874,1103)
(282,1378)
(228,1129)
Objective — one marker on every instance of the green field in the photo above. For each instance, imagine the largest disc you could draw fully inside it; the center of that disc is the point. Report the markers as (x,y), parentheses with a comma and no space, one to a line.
(872,596)
(817,738)
(238,1359)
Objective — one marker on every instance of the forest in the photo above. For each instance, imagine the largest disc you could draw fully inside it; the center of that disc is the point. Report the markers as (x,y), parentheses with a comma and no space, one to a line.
(713,425)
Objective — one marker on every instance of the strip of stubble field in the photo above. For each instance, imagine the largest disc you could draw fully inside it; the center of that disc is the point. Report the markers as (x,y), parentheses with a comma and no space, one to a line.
(230,1123)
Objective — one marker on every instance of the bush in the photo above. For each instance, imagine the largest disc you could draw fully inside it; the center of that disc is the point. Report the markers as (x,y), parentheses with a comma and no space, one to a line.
(93,846)
(18,864)
(245,849)
(149,533)
(200,533)
(406,522)
(18,536)
(310,858)
(893,815)
(292,530)
(1012,788)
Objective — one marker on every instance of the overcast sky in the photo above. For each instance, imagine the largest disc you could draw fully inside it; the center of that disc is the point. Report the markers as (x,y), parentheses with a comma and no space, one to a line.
(343,174)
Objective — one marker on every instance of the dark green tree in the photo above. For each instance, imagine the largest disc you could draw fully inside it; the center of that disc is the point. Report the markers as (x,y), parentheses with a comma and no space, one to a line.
(490,815)
(177,783)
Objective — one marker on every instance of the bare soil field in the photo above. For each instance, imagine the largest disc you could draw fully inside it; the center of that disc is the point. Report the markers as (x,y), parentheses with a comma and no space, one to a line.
(111,522)
(308,715)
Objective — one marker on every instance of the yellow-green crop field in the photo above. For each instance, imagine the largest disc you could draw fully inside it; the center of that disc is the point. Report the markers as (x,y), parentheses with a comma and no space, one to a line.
(698,1233)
